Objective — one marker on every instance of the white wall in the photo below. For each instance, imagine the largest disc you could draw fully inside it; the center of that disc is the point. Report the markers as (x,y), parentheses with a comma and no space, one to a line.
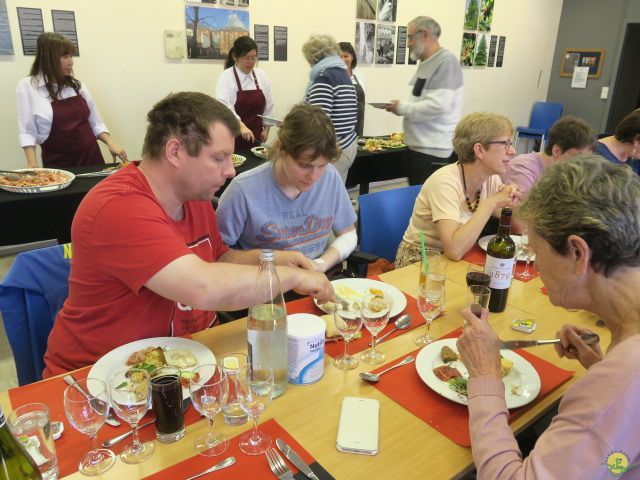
(122,59)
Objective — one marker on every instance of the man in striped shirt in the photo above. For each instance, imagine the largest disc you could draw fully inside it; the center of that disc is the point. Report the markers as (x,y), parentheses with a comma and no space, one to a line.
(331,89)
(434,105)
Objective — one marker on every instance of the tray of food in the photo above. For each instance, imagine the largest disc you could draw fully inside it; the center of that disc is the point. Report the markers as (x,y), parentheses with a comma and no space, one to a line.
(261,152)
(379,144)
(39,180)
(238,159)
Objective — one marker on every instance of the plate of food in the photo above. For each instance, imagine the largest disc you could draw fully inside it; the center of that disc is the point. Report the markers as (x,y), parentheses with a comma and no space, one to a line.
(238,159)
(378,144)
(440,367)
(105,172)
(151,353)
(353,290)
(261,152)
(42,180)
(484,241)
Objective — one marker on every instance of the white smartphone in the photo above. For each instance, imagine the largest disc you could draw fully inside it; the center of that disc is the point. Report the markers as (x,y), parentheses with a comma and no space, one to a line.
(358,427)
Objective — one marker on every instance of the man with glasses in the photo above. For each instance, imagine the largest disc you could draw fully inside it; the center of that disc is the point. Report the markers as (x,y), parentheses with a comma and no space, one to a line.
(434,105)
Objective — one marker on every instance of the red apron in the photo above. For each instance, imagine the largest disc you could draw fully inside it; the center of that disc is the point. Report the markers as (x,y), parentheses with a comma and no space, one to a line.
(71,141)
(249,103)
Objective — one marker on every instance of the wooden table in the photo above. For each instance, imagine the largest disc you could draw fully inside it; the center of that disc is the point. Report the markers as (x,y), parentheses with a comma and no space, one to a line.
(409,448)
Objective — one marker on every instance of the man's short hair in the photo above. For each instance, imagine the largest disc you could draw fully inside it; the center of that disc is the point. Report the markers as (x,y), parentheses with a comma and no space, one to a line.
(570,132)
(629,128)
(594,199)
(428,24)
(187,116)
(478,127)
(306,133)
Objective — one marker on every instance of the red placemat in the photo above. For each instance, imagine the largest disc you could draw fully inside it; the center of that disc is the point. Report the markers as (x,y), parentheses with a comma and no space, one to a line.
(72,445)
(246,466)
(405,386)
(336,349)
(478,256)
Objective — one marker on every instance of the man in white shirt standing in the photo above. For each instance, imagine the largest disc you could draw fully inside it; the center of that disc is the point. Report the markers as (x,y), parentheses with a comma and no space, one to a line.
(434,106)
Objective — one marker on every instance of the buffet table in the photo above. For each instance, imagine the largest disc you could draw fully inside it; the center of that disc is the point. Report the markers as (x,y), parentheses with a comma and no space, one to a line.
(408,447)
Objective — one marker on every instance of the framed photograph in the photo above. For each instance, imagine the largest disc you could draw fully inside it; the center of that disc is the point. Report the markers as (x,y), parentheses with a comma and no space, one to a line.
(575,57)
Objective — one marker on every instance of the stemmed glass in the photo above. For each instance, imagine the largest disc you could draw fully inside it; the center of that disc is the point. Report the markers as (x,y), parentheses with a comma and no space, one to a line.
(87,413)
(348,324)
(130,391)
(478,298)
(255,384)
(525,249)
(430,303)
(209,390)
(375,316)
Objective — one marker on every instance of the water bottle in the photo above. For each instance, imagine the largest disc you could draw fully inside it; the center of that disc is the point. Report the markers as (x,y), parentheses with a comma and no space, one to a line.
(15,462)
(501,252)
(267,323)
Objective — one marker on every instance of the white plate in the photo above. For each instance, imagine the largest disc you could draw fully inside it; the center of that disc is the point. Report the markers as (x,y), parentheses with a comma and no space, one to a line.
(399,301)
(69,177)
(484,241)
(380,104)
(522,376)
(260,152)
(274,121)
(238,159)
(115,360)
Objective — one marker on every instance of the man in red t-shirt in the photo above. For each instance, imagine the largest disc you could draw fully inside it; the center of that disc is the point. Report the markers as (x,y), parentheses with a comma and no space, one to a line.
(148,260)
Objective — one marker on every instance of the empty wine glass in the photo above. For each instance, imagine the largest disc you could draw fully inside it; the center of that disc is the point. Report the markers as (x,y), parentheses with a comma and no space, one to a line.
(430,303)
(348,324)
(209,390)
(526,251)
(255,384)
(375,316)
(87,413)
(130,391)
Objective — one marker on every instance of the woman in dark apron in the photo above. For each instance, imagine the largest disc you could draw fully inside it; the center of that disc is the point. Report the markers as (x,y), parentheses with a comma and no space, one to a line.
(56,112)
(348,55)
(247,91)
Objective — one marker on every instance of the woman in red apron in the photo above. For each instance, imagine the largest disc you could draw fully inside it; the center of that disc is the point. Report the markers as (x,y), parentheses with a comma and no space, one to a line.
(56,112)
(246,90)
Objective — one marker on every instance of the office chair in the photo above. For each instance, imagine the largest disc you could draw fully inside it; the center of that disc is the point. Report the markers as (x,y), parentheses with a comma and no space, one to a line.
(31,294)
(543,115)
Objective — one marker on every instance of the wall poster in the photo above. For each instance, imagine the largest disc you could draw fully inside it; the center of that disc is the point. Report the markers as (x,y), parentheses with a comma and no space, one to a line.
(485,16)
(492,50)
(401,44)
(480,57)
(212,31)
(31,26)
(64,23)
(501,46)
(387,10)
(261,37)
(365,42)
(280,44)
(366,9)
(6,44)
(384,44)
(468,51)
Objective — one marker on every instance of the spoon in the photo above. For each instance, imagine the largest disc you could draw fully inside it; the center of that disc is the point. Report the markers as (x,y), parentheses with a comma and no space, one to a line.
(375,377)
(401,323)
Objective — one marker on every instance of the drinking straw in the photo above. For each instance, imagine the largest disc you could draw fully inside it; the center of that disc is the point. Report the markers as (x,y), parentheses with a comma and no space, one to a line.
(425,260)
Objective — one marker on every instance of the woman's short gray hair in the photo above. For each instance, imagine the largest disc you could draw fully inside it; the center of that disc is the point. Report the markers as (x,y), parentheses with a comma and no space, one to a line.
(319,47)
(594,199)
(428,24)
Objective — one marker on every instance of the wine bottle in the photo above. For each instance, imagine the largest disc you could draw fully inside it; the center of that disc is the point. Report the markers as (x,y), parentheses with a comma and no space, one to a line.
(15,462)
(501,252)
(267,324)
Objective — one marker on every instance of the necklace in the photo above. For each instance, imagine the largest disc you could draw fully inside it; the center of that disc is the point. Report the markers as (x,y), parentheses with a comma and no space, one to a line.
(472,206)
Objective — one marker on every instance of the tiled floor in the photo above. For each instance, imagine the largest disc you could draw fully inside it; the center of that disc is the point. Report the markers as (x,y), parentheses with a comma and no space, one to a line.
(8,377)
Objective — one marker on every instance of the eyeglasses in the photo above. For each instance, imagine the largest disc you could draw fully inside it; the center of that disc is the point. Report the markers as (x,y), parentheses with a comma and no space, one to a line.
(249,59)
(507,143)
(411,36)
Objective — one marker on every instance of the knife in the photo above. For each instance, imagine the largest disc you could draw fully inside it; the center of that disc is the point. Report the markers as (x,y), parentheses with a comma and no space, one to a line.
(588,338)
(294,458)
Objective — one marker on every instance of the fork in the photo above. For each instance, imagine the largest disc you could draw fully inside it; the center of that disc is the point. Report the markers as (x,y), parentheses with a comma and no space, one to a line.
(277,465)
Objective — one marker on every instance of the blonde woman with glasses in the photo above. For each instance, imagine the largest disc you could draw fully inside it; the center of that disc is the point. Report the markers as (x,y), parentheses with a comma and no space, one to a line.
(456,202)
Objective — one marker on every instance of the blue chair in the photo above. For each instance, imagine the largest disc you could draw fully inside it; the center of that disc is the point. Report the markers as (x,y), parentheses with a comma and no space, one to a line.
(543,115)
(31,294)
(384,217)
